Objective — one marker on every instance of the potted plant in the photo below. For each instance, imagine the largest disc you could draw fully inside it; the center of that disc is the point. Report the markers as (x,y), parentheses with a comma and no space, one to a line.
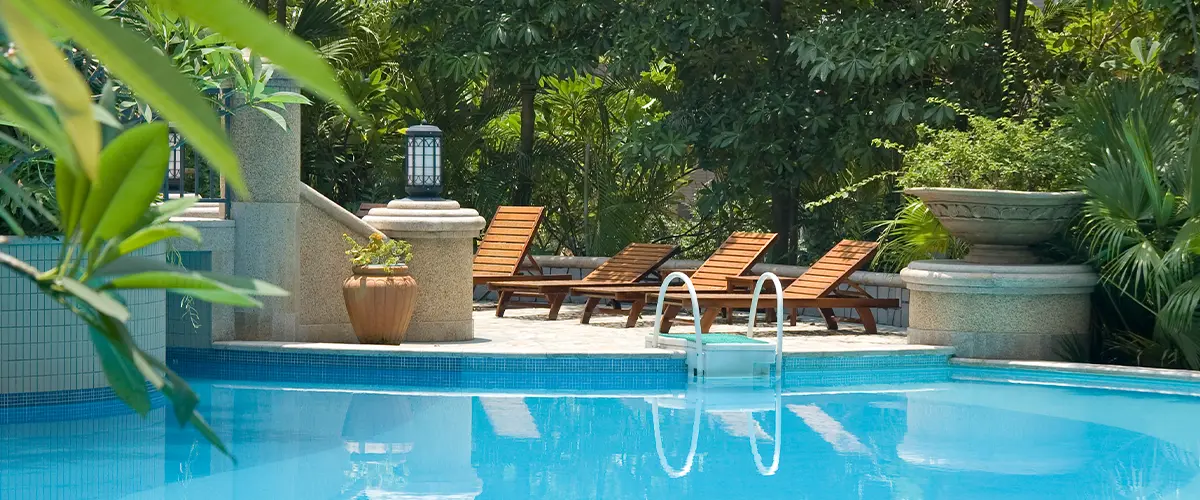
(1000,185)
(380,294)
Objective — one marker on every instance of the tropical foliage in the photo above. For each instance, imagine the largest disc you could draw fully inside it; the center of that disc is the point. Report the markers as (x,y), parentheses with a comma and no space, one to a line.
(107,174)
(378,251)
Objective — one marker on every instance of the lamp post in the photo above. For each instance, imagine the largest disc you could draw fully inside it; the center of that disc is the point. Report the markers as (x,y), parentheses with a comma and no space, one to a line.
(424,162)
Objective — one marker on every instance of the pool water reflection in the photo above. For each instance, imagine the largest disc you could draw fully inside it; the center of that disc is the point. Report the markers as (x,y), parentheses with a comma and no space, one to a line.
(930,440)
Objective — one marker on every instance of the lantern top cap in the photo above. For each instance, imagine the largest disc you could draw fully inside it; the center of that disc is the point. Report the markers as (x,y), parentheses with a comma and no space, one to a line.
(424,129)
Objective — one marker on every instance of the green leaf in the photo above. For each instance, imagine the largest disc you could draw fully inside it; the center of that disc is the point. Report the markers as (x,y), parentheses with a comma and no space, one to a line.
(249,27)
(165,211)
(225,297)
(273,115)
(129,264)
(198,422)
(71,189)
(156,233)
(285,97)
(247,285)
(152,77)
(116,359)
(72,97)
(21,111)
(131,172)
(101,302)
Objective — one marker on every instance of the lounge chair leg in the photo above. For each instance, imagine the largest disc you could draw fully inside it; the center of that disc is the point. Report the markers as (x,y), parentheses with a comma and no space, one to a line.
(867,318)
(556,301)
(708,318)
(795,316)
(635,312)
(728,312)
(502,299)
(830,319)
(588,309)
(668,316)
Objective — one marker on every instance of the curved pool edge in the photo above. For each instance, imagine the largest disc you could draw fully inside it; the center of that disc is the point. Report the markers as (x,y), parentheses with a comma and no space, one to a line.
(1096,376)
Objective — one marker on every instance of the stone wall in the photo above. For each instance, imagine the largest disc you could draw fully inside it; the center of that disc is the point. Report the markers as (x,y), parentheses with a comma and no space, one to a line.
(44,347)
(216,251)
(320,311)
(879,285)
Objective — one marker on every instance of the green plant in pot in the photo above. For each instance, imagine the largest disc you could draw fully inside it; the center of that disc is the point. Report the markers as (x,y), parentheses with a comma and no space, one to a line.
(381,293)
(998,185)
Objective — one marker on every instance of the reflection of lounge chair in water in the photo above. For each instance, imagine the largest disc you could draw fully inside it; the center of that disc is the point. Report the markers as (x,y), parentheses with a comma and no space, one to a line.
(510,417)
(721,400)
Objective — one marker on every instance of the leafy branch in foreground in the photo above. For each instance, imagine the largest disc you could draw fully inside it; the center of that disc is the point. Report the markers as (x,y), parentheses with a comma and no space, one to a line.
(107,192)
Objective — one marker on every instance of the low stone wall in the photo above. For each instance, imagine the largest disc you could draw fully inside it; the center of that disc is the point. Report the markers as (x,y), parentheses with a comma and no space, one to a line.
(879,285)
(44,347)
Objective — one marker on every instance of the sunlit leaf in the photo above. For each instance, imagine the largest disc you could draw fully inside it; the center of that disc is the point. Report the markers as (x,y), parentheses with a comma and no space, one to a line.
(72,97)
(152,77)
(250,28)
(132,168)
(154,234)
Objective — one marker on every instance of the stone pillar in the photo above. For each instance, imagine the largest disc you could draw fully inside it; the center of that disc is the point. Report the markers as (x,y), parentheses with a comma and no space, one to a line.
(267,245)
(442,236)
(1028,312)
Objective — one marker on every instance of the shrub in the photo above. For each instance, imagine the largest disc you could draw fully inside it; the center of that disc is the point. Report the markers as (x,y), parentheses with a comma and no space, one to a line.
(378,251)
(995,154)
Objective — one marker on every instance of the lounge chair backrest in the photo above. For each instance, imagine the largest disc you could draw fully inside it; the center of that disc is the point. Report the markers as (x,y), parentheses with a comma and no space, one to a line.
(734,257)
(506,241)
(832,269)
(632,264)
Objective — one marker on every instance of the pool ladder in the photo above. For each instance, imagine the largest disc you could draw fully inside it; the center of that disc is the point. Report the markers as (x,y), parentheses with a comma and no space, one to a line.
(698,359)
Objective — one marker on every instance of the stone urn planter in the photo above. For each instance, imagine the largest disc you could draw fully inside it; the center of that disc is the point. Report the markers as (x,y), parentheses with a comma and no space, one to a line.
(1000,225)
(380,302)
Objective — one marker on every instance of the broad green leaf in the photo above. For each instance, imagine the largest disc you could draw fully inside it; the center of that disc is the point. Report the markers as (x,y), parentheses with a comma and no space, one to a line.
(273,115)
(248,285)
(250,28)
(116,359)
(101,302)
(165,211)
(198,422)
(285,97)
(71,189)
(154,234)
(152,77)
(183,399)
(164,279)
(129,264)
(131,172)
(225,297)
(72,97)
(19,110)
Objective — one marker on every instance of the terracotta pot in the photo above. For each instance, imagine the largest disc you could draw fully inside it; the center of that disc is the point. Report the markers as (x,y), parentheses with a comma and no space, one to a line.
(380,304)
(1000,225)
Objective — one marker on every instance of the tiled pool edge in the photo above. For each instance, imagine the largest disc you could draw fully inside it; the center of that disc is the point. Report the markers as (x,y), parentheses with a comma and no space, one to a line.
(1081,368)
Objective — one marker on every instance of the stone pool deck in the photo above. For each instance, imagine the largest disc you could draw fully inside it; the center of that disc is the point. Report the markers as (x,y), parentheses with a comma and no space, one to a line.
(526,333)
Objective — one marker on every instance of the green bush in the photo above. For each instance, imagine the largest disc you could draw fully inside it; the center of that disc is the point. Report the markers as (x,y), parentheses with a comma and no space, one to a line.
(995,154)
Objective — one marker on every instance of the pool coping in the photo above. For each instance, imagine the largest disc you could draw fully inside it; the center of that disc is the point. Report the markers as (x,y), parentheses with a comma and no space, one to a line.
(404,351)
(1165,374)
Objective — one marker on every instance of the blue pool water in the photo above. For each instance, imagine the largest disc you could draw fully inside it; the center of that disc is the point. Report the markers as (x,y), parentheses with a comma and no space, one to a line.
(949,434)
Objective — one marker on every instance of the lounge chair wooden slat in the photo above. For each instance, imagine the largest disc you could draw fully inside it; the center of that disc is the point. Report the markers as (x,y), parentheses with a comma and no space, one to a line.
(710,276)
(811,289)
(506,243)
(625,268)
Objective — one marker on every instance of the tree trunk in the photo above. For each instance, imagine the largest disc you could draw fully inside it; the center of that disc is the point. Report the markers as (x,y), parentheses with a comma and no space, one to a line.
(524,193)
(783,206)
(281,12)
(1018,26)
(1003,14)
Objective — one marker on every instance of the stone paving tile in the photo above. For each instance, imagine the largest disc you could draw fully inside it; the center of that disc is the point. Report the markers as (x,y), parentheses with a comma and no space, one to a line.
(526,332)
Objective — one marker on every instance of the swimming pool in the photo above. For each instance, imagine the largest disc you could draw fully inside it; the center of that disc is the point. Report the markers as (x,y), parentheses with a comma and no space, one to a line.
(915,433)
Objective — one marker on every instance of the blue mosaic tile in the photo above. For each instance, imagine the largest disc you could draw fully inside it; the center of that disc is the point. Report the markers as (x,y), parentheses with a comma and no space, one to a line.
(101,402)
(872,362)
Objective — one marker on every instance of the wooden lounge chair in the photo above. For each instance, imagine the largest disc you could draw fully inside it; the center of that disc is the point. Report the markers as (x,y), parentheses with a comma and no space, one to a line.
(625,268)
(734,257)
(504,250)
(816,288)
